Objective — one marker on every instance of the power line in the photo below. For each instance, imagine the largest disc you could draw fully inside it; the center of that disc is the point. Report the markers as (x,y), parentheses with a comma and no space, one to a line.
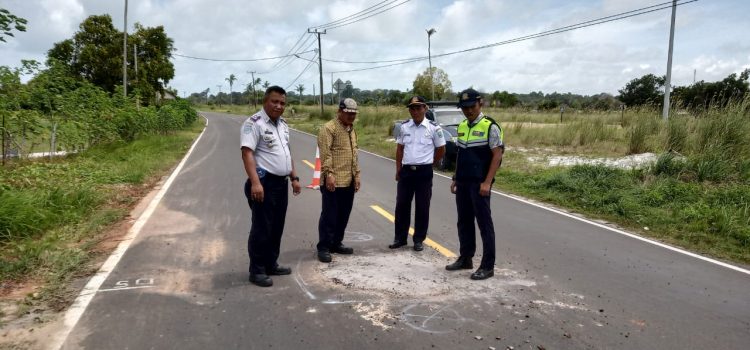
(345,18)
(352,20)
(292,48)
(235,60)
(300,73)
(288,62)
(602,20)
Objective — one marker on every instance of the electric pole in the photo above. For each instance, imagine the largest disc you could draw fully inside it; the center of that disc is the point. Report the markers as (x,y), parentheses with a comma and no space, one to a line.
(125,53)
(320,66)
(668,83)
(252,87)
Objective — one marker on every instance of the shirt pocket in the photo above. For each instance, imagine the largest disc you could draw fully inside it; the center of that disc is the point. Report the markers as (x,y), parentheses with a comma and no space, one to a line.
(406,138)
(426,138)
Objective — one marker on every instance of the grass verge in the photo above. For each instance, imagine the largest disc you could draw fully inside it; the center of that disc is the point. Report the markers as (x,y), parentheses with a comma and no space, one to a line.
(53,213)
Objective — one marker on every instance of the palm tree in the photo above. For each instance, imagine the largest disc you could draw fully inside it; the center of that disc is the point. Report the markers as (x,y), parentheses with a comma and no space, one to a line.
(300,88)
(231,79)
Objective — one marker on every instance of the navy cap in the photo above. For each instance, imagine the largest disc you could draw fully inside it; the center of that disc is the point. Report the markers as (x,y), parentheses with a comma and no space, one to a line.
(416,100)
(468,98)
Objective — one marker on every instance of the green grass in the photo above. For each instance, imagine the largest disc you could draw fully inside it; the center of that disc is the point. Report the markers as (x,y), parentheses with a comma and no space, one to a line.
(707,218)
(51,212)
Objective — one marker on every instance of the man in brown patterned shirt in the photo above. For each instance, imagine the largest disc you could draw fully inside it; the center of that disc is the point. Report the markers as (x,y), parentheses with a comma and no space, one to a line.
(339,173)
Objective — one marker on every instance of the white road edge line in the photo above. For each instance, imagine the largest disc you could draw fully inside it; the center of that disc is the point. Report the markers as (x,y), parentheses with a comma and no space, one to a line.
(76,310)
(656,243)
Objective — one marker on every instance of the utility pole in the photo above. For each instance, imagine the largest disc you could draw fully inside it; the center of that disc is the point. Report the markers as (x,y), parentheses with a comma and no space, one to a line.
(252,83)
(668,83)
(125,53)
(429,57)
(218,96)
(332,103)
(135,58)
(320,66)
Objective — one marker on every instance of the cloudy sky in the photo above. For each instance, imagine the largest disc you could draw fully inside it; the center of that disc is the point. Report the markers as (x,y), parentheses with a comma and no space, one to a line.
(710,40)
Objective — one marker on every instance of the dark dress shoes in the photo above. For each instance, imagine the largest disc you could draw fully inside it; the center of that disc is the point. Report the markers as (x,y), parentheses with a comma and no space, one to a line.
(261,280)
(482,274)
(418,246)
(278,271)
(396,245)
(324,256)
(342,249)
(461,263)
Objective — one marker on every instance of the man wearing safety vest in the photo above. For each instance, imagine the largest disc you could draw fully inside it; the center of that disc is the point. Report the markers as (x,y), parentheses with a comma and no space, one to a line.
(480,151)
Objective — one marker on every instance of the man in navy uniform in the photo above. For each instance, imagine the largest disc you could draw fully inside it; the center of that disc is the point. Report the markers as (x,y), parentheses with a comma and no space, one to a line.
(420,144)
(268,162)
(480,151)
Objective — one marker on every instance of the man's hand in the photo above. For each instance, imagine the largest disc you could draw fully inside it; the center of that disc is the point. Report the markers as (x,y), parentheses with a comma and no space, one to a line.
(331,183)
(453,187)
(356,185)
(484,189)
(397,172)
(296,188)
(256,192)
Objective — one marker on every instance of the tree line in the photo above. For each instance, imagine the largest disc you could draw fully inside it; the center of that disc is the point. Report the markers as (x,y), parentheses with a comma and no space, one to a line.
(75,100)
(647,90)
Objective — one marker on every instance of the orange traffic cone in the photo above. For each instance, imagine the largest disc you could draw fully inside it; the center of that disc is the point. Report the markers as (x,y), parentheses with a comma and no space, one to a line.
(316,173)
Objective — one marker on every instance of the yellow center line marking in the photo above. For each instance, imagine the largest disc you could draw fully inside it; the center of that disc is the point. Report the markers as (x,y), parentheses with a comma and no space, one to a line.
(311,165)
(428,242)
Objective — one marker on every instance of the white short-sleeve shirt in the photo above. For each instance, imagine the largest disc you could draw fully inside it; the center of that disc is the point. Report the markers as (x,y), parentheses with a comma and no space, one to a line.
(420,141)
(269,142)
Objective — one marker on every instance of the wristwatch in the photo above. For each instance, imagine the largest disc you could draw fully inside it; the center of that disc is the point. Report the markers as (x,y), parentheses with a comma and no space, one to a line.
(294,178)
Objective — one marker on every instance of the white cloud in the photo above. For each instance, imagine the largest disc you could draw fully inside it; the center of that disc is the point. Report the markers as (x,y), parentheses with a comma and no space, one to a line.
(602,58)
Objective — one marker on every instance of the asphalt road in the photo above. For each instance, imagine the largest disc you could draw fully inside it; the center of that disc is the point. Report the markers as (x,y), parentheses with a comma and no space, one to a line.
(560,283)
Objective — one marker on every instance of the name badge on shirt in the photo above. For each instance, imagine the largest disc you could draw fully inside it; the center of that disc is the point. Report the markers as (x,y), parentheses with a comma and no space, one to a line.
(477,133)
(269,139)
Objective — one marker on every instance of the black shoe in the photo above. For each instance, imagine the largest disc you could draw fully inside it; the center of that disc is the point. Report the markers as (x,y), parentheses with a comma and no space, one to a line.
(460,264)
(278,270)
(418,246)
(261,280)
(324,256)
(342,249)
(482,274)
(396,244)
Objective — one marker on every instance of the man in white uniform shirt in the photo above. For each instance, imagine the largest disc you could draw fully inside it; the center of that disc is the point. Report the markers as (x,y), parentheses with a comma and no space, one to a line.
(419,145)
(268,162)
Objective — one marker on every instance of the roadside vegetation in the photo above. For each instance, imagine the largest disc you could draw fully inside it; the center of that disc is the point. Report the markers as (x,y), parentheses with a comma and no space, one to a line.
(58,213)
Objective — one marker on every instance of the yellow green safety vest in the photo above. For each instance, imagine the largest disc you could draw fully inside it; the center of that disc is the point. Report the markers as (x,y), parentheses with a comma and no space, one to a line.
(474,154)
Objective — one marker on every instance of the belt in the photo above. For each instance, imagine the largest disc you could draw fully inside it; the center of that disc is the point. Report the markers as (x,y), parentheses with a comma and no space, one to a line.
(414,167)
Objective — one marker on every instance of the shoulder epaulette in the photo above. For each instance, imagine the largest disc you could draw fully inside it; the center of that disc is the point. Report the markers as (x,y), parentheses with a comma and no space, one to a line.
(434,123)
(490,119)
(255,117)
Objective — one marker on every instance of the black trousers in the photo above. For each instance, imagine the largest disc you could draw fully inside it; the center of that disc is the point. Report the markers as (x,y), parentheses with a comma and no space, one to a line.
(267,224)
(334,216)
(415,181)
(470,206)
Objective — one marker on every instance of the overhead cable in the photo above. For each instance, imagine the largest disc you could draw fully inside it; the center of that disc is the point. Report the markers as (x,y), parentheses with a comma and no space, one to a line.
(300,73)
(235,60)
(580,25)
(354,19)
